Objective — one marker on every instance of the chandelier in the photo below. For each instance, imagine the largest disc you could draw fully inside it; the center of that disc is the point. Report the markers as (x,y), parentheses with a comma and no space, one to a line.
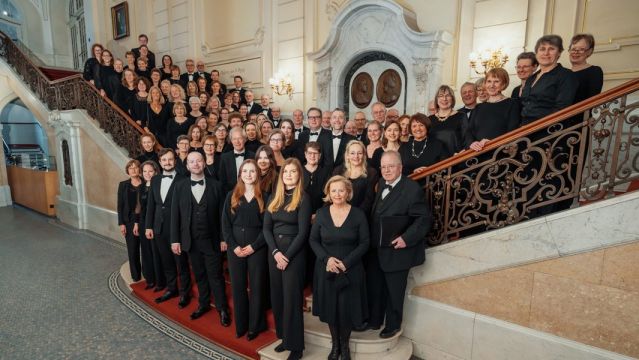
(282,85)
(487,60)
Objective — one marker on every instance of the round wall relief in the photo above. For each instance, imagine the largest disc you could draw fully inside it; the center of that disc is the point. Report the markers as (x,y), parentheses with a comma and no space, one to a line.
(362,90)
(389,87)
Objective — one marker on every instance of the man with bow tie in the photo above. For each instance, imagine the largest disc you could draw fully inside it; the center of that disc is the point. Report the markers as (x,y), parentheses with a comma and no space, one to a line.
(251,106)
(195,228)
(230,161)
(389,263)
(298,123)
(158,229)
(333,146)
(190,74)
(315,130)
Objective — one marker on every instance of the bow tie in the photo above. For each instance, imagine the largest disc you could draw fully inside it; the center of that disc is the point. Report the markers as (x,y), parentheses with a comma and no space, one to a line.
(198,182)
(167,176)
(239,154)
(337,136)
(298,130)
(388,187)
(314,133)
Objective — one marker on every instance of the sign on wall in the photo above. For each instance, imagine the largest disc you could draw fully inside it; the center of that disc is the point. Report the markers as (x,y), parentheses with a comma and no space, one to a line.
(250,70)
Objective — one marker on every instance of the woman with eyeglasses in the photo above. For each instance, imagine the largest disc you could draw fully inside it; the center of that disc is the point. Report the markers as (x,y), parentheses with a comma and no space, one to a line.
(590,77)
(447,123)
(276,141)
(211,158)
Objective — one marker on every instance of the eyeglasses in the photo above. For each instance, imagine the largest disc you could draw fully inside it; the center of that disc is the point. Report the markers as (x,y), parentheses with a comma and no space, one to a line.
(314,117)
(312,153)
(578,50)
(276,140)
(523,67)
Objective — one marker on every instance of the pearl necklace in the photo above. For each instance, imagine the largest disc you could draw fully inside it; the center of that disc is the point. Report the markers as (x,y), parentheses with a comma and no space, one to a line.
(413,154)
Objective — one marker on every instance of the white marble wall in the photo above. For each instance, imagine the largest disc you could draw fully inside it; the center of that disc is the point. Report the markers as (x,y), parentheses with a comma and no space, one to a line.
(439,331)
(594,226)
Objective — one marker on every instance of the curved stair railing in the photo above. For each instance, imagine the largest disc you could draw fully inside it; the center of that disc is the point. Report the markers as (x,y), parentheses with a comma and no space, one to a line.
(588,151)
(73,92)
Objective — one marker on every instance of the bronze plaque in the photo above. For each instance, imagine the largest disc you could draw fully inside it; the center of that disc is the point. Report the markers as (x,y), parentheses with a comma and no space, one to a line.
(362,90)
(389,87)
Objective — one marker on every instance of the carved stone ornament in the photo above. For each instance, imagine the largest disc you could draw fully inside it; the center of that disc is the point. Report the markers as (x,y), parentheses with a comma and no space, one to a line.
(323,82)
(389,87)
(362,90)
(422,69)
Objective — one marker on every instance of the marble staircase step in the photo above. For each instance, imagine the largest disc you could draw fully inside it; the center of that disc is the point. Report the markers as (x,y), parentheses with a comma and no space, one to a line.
(402,351)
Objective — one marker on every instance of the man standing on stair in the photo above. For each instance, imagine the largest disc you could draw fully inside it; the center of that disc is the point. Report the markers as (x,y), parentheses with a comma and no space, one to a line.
(195,228)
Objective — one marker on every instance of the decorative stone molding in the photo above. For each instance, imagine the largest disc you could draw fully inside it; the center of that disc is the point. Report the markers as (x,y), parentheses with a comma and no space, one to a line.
(365,27)
(258,39)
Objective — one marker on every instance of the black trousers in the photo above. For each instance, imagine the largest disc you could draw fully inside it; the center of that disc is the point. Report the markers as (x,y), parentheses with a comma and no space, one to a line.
(386,292)
(133,250)
(158,268)
(173,264)
(148,264)
(249,308)
(287,300)
(207,268)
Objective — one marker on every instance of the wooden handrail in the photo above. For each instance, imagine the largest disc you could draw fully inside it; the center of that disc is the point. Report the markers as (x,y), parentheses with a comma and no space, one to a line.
(573,110)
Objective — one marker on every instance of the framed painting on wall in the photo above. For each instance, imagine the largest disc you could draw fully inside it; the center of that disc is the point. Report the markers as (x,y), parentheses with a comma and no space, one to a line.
(120,20)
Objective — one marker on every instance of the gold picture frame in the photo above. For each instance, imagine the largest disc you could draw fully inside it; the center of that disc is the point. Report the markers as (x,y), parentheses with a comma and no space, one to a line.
(120,20)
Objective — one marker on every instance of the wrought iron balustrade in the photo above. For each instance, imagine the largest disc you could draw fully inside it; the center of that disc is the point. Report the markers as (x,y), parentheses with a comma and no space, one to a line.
(587,152)
(73,92)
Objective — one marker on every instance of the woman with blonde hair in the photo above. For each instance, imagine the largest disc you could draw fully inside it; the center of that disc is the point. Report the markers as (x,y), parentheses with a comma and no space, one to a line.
(287,220)
(363,177)
(156,114)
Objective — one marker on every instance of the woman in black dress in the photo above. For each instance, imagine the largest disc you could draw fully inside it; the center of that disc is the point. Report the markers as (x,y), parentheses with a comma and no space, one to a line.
(363,177)
(221,133)
(391,141)
(242,222)
(142,69)
(147,142)
(139,106)
(129,215)
(175,75)
(447,123)
(235,100)
(167,63)
(289,148)
(216,91)
(105,77)
(156,115)
(156,77)
(590,77)
(374,133)
(92,63)
(151,262)
(266,126)
(195,136)
(252,142)
(494,117)
(287,222)
(315,176)
(276,141)
(177,125)
(267,167)
(340,238)
(176,95)
(127,91)
(211,158)
(194,105)
(526,66)
(421,150)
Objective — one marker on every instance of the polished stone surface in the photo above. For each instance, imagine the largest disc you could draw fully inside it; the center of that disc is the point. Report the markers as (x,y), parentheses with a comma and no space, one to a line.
(55,296)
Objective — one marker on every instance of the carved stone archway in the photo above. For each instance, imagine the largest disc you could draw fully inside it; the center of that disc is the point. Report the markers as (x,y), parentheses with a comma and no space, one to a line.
(369,26)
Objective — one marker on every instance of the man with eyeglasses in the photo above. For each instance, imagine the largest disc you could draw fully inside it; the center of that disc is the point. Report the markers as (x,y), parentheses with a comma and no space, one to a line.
(378,110)
(526,66)
(399,204)
(315,131)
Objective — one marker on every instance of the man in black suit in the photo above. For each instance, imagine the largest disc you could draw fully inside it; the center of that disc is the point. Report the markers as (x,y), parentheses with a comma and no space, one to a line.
(143,40)
(201,72)
(190,74)
(230,161)
(265,103)
(360,124)
(251,106)
(215,76)
(388,267)
(276,115)
(238,81)
(195,228)
(298,123)
(378,110)
(158,228)
(315,130)
(333,146)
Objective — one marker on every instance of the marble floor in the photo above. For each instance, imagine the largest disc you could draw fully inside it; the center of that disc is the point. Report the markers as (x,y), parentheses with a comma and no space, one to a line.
(55,300)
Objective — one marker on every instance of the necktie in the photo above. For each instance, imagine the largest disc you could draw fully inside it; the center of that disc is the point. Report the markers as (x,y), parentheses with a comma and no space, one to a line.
(167,176)
(199,182)
(337,136)
(239,154)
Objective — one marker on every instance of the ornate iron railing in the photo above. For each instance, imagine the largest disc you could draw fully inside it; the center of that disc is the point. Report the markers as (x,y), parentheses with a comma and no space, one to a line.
(585,152)
(73,92)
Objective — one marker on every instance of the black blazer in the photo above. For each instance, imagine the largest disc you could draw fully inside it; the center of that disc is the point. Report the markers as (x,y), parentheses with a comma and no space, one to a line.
(184,79)
(228,171)
(255,109)
(126,211)
(158,213)
(326,143)
(181,213)
(305,136)
(406,198)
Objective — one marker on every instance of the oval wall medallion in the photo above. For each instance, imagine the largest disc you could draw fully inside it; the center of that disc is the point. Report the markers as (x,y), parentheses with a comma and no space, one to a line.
(389,87)
(362,90)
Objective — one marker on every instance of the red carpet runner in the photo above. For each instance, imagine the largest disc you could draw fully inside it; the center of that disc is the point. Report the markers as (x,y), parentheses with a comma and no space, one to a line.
(208,326)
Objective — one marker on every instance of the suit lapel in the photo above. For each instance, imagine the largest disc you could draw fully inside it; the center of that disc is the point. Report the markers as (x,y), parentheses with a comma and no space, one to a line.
(392,196)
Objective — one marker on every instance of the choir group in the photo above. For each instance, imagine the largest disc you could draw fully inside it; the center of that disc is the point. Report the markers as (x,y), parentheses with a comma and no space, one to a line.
(314,199)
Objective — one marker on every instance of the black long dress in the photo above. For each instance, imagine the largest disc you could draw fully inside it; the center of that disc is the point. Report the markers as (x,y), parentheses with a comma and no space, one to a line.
(107,79)
(125,98)
(363,188)
(175,129)
(287,232)
(156,122)
(333,302)
(139,107)
(241,228)
(450,131)
(151,262)
(490,120)
(413,157)
(314,185)
(89,69)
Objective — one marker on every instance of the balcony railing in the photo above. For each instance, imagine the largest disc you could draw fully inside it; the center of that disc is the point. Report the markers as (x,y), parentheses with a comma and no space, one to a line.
(588,151)
(73,92)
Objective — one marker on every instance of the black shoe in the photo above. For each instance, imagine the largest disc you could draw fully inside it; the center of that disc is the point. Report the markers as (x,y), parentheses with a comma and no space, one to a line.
(280,348)
(295,355)
(148,286)
(251,336)
(159,288)
(184,301)
(166,296)
(361,328)
(201,310)
(225,318)
(388,333)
